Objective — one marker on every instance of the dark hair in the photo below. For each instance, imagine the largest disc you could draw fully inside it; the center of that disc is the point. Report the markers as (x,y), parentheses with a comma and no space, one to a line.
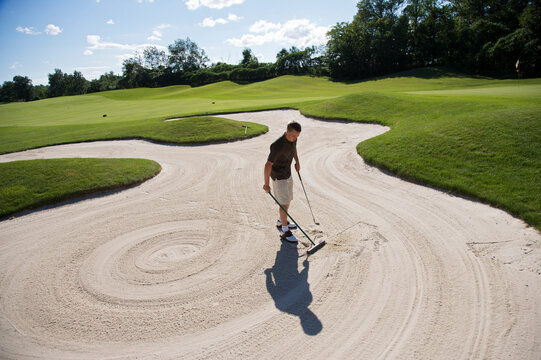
(294,126)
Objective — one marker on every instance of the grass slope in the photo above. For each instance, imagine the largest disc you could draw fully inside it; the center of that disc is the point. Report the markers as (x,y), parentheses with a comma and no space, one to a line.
(482,146)
(186,131)
(469,135)
(33,183)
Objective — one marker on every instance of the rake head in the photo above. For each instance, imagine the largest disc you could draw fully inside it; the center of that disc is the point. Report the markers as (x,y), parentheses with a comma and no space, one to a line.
(316,247)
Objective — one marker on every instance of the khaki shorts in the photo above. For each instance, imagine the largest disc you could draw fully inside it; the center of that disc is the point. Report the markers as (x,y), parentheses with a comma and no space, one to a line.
(283,190)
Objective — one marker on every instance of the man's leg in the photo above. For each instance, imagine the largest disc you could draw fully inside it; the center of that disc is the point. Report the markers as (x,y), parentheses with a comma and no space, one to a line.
(283,215)
(286,233)
(283,190)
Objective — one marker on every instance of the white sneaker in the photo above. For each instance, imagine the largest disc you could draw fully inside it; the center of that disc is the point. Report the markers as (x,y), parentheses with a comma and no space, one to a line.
(291,226)
(288,236)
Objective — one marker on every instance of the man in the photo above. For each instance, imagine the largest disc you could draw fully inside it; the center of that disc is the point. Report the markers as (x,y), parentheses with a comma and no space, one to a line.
(278,167)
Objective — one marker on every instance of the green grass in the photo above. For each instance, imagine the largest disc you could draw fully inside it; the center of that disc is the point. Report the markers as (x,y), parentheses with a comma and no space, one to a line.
(33,183)
(186,131)
(472,136)
(485,147)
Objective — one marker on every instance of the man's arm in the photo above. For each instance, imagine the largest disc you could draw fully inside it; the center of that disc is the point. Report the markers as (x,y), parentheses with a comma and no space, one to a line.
(297,163)
(267,173)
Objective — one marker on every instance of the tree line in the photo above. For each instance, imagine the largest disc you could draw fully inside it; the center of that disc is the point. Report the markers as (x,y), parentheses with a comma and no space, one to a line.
(487,37)
(185,63)
(385,36)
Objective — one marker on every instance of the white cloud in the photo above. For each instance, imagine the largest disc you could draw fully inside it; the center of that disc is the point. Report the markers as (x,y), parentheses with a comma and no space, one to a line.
(211,22)
(27,30)
(92,72)
(300,33)
(15,65)
(250,40)
(163,26)
(96,43)
(192,4)
(213,4)
(263,26)
(110,22)
(86,68)
(52,30)
(88,52)
(156,36)
(49,30)
(123,57)
(233,17)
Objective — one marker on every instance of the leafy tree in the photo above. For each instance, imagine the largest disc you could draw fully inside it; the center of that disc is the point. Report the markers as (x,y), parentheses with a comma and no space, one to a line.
(493,35)
(294,61)
(468,11)
(57,85)
(134,74)
(207,76)
(384,33)
(40,92)
(23,88)
(476,35)
(530,19)
(7,92)
(346,52)
(431,32)
(75,84)
(222,67)
(375,43)
(107,81)
(186,56)
(153,58)
(242,74)
(249,59)
(530,51)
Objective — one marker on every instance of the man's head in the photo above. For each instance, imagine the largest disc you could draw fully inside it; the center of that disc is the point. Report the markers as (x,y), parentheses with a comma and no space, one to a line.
(293,131)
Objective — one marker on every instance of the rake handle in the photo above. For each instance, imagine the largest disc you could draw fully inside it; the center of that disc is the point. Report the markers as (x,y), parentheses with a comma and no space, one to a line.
(284,210)
(308,201)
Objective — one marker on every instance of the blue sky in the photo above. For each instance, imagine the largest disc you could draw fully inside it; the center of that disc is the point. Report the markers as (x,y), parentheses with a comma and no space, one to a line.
(95,36)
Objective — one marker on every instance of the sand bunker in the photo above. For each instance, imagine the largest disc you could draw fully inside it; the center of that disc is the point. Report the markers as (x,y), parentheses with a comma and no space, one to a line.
(189,265)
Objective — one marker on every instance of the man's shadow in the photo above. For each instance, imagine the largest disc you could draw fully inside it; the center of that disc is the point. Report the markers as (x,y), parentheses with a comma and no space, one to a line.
(290,289)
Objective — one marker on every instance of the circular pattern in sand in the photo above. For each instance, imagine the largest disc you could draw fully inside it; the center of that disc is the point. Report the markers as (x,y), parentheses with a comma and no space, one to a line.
(189,265)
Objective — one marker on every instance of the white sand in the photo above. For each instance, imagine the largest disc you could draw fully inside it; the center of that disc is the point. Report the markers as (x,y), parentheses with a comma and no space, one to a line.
(188,265)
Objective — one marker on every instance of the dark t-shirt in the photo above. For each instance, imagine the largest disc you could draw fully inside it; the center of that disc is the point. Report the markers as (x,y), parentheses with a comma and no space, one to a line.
(281,155)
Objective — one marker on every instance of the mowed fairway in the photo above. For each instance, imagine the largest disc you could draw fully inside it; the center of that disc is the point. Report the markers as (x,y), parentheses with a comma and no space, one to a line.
(189,265)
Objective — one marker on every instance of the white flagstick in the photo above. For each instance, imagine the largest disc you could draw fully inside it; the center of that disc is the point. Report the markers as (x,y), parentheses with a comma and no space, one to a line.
(518,71)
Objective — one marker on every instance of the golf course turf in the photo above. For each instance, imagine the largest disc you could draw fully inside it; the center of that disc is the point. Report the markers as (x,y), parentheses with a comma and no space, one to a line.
(472,136)
(33,183)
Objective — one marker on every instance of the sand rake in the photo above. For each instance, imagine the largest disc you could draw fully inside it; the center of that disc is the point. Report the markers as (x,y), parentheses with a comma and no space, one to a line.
(315,247)
(308,201)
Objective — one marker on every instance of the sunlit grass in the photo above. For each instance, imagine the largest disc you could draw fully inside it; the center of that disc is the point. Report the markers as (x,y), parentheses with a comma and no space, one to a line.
(468,135)
(33,183)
